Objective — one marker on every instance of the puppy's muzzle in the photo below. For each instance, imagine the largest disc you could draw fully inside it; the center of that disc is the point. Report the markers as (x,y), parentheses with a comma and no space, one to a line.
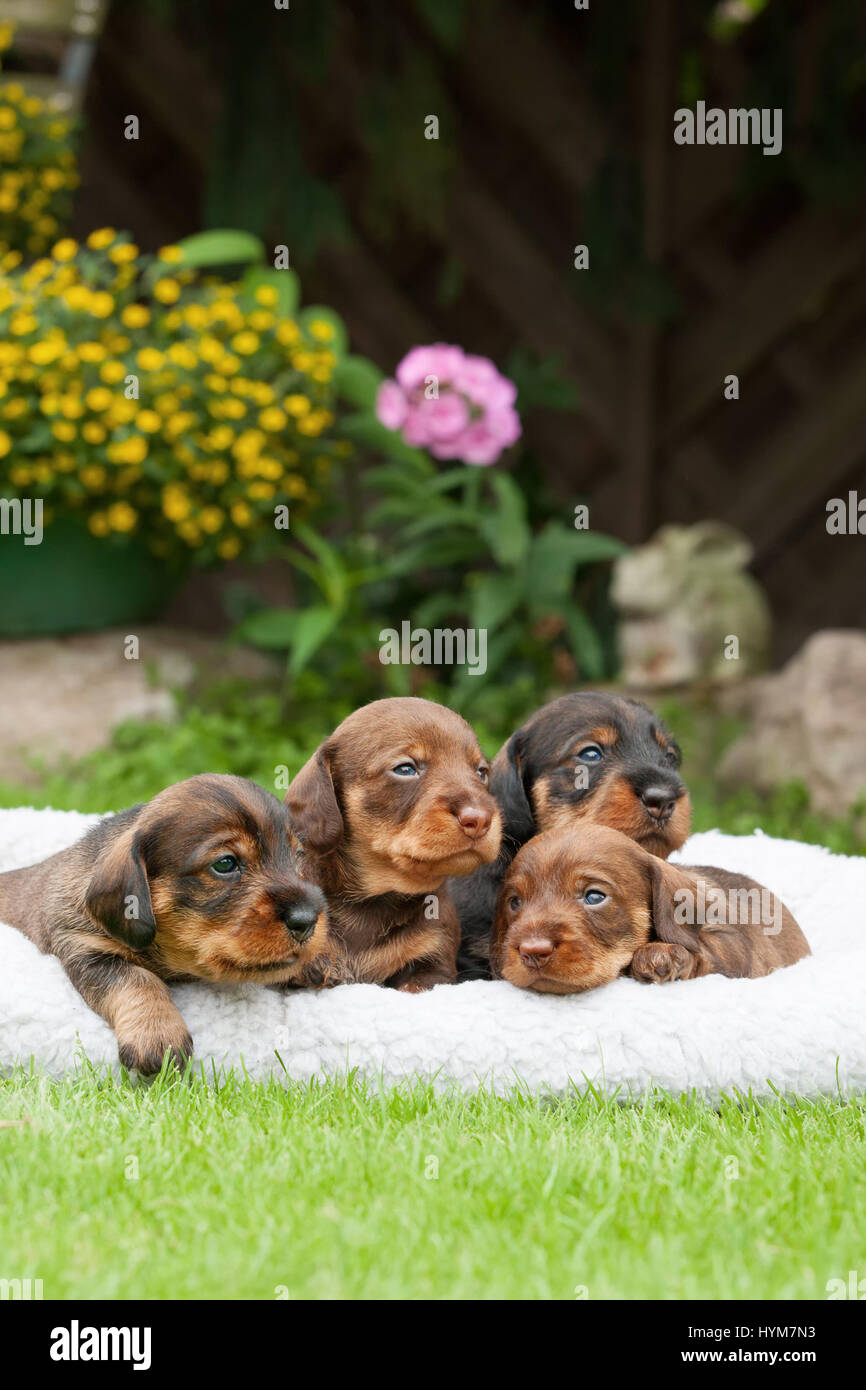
(300,915)
(474,821)
(660,795)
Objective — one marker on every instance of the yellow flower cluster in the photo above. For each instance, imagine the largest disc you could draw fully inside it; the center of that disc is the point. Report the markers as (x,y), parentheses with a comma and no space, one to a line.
(150,401)
(38,167)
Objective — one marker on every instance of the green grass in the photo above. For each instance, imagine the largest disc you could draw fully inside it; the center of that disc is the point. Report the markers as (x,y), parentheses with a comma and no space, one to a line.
(326,1191)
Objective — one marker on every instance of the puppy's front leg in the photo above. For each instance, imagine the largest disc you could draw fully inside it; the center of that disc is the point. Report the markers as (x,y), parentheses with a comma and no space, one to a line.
(136,1003)
(660,961)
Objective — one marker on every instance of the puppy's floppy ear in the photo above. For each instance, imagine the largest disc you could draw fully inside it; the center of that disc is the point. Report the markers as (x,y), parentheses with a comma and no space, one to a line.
(118,895)
(674,903)
(507,785)
(313,806)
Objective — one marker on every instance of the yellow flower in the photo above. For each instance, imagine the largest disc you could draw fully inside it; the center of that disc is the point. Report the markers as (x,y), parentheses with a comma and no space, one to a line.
(21,324)
(195,315)
(149,421)
(167,404)
(297,405)
(98,240)
(97,524)
(248,444)
(7,34)
(65,250)
(321,329)
(215,383)
(150,359)
(93,432)
(287,332)
(122,517)
(71,407)
(241,514)
(93,352)
(101,304)
(46,351)
(211,519)
(77,297)
(172,254)
(221,437)
(233,409)
(218,473)
(93,477)
(5,444)
(228,364)
(135,316)
(99,398)
(261,320)
(273,419)
(50,403)
(167,291)
(229,548)
(112,372)
(176,505)
(63,429)
(132,450)
(245,343)
(261,491)
(183,355)
(124,253)
(267,295)
(8,118)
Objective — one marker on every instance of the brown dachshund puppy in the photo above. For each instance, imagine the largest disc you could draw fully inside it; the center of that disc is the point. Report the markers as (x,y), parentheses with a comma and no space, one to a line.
(200,883)
(583,758)
(390,805)
(579,907)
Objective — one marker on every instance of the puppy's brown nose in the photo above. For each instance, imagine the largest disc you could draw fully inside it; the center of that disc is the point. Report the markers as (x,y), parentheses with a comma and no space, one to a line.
(474,821)
(659,801)
(536,951)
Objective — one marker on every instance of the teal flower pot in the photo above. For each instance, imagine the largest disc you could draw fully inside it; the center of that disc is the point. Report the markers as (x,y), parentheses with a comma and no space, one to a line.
(75,582)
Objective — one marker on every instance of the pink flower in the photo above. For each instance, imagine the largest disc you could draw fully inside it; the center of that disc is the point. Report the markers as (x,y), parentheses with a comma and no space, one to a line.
(453,404)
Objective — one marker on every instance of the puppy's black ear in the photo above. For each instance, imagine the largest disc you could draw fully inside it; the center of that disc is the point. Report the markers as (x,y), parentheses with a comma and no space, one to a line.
(118,895)
(674,904)
(313,805)
(507,783)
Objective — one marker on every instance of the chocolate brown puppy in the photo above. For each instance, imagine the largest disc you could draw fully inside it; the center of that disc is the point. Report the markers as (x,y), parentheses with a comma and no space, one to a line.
(580,907)
(199,883)
(389,806)
(584,758)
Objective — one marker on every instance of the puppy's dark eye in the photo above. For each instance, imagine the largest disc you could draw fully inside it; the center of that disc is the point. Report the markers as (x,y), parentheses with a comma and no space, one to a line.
(483,773)
(513,902)
(590,753)
(593,897)
(225,865)
(405,770)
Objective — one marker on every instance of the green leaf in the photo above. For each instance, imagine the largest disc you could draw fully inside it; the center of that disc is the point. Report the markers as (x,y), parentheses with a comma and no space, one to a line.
(358,380)
(592,546)
(494,599)
(506,530)
(586,646)
(221,248)
(313,627)
(271,628)
(285,282)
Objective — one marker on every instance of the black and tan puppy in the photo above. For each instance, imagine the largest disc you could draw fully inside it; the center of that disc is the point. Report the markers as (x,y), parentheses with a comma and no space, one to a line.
(588,757)
(389,806)
(199,883)
(578,907)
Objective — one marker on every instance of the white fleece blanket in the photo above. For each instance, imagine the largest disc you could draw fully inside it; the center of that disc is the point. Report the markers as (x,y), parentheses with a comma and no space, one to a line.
(802,1029)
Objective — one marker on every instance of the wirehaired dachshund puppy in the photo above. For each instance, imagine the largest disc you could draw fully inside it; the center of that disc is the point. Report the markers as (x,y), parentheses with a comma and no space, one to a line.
(388,807)
(584,758)
(198,883)
(578,907)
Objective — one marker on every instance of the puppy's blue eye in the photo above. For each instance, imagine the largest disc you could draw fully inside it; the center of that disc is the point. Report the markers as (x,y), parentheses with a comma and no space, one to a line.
(593,897)
(226,864)
(591,753)
(405,770)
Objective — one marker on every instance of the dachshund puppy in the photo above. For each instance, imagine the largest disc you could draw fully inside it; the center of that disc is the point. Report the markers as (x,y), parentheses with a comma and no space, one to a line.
(389,806)
(199,883)
(583,758)
(579,907)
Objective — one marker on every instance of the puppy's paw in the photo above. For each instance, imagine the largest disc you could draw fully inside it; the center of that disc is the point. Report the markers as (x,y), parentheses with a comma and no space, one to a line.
(659,962)
(145,1054)
(322,972)
(424,980)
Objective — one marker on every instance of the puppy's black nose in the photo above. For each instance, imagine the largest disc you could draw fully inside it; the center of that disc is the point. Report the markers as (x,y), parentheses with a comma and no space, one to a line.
(300,920)
(659,801)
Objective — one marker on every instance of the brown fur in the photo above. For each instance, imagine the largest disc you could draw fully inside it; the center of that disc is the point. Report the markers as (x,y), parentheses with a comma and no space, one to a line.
(380,845)
(136,902)
(546,937)
(542,782)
